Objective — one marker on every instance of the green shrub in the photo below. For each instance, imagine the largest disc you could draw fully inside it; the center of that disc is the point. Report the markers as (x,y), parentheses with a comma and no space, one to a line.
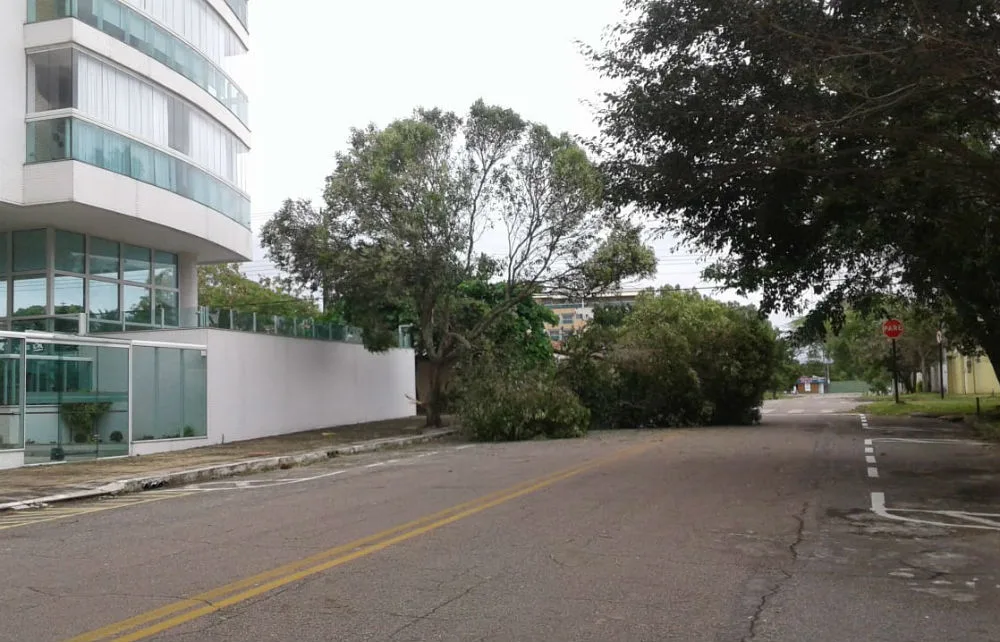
(502,408)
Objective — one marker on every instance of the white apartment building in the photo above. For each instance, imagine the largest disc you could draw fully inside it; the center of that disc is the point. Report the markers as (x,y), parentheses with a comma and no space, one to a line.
(123,160)
(124,136)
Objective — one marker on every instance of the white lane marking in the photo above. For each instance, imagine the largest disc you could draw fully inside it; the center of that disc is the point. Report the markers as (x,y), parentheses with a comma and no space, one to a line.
(870,459)
(879,508)
(868,442)
(376,464)
(465,446)
(872,472)
(953,442)
(796,411)
(869,450)
(827,411)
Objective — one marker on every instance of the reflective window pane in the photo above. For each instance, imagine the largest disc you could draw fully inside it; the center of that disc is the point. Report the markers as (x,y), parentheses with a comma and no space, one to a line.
(48,140)
(136,265)
(138,304)
(29,250)
(166,308)
(30,296)
(103,301)
(3,296)
(165,270)
(104,258)
(50,78)
(67,295)
(4,268)
(70,252)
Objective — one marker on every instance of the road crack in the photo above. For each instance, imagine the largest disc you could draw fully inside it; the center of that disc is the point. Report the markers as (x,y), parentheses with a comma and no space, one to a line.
(775,588)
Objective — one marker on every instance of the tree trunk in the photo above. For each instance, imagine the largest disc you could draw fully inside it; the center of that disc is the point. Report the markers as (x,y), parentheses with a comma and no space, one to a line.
(435,393)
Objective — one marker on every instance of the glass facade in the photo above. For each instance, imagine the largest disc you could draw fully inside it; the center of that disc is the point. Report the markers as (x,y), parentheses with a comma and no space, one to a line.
(75,139)
(119,286)
(196,22)
(145,34)
(172,402)
(69,78)
(69,400)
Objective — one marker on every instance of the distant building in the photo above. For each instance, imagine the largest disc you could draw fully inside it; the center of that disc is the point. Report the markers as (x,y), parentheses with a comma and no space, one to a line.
(575,314)
(812,385)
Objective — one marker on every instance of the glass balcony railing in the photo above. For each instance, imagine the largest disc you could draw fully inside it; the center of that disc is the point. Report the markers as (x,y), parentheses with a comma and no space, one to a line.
(241,10)
(139,32)
(73,139)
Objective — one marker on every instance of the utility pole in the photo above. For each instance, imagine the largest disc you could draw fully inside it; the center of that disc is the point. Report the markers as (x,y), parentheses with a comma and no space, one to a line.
(895,372)
(940,340)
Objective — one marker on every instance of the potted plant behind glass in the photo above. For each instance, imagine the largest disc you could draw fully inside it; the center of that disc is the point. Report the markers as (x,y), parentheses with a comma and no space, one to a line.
(82,418)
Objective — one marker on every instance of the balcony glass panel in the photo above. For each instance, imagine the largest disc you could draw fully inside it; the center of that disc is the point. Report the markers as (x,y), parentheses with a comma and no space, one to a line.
(140,32)
(111,151)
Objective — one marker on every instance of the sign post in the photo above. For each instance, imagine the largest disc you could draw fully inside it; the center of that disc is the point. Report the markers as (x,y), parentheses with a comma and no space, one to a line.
(940,340)
(893,329)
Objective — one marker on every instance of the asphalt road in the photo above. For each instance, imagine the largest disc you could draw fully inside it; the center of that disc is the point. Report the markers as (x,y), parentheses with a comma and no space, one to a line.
(739,534)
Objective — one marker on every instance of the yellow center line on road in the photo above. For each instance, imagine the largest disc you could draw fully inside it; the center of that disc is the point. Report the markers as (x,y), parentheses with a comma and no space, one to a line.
(157,621)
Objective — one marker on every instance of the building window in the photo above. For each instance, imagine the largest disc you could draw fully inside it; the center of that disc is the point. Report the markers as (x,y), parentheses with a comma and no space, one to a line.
(139,32)
(138,305)
(165,311)
(137,264)
(165,270)
(105,258)
(103,303)
(3,254)
(48,140)
(91,275)
(70,252)
(31,297)
(67,293)
(30,251)
(51,75)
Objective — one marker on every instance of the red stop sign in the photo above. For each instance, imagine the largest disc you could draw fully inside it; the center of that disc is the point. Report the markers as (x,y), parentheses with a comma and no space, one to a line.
(892,328)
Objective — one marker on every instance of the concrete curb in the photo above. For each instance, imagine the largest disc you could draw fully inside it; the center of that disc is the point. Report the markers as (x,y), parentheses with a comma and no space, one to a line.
(222,471)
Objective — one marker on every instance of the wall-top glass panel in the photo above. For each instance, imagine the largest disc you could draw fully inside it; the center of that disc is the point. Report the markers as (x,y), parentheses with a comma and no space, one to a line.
(142,32)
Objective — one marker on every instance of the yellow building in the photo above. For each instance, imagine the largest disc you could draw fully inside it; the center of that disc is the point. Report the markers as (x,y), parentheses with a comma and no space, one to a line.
(971,375)
(575,314)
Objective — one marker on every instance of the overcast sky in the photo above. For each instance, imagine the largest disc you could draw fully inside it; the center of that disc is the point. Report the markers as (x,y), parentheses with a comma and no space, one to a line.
(328,66)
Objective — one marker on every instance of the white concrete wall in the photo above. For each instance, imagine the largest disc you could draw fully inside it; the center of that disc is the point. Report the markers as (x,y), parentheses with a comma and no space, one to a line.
(261,385)
(13,81)
(11,459)
(146,215)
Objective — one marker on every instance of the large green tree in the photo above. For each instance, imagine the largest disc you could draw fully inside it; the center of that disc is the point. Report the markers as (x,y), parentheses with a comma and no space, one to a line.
(415,210)
(674,358)
(224,286)
(837,148)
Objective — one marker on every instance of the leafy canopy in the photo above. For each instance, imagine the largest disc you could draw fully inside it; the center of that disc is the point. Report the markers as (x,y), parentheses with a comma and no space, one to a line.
(844,148)
(224,286)
(450,223)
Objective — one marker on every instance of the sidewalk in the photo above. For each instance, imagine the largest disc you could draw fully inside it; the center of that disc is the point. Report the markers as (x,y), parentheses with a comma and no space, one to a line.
(21,487)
